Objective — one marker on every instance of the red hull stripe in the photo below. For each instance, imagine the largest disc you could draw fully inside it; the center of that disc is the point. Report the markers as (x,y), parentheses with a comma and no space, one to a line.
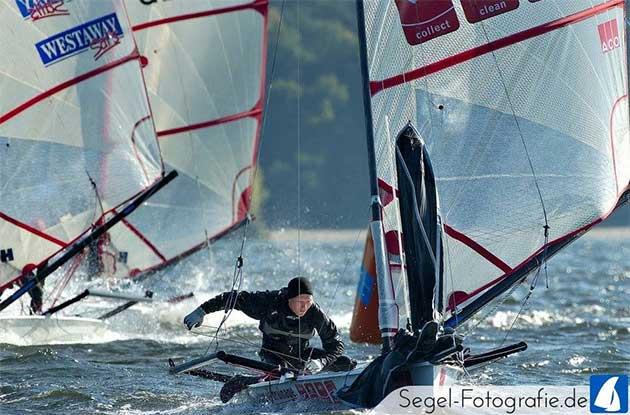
(256,5)
(60,87)
(255,112)
(33,230)
(496,261)
(377,86)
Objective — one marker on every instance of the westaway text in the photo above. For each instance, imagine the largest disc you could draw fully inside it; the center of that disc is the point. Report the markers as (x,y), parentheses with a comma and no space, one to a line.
(467,398)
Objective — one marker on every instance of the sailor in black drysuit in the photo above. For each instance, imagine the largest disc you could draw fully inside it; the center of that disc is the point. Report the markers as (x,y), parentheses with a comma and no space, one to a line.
(36,293)
(288,320)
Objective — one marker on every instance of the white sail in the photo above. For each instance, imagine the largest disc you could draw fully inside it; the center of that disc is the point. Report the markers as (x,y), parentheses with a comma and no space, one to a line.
(607,398)
(524,110)
(204,66)
(73,111)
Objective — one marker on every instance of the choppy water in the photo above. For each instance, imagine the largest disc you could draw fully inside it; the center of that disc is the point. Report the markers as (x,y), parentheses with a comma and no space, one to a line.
(577,327)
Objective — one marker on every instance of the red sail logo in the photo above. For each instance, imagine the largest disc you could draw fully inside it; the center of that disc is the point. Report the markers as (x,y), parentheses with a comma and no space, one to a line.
(423,20)
(609,35)
(478,10)
(47,8)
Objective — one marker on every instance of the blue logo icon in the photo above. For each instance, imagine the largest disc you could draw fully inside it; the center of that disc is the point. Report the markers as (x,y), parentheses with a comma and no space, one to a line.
(609,394)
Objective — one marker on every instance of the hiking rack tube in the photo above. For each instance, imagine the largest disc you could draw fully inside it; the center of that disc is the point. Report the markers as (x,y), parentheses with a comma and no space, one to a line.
(436,359)
(67,303)
(254,364)
(86,293)
(494,354)
(133,301)
(92,236)
(190,365)
(147,297)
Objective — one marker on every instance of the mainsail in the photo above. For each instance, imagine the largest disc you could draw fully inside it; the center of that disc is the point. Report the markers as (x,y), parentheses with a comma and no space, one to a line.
(77,139)
(523,106)
(204,67)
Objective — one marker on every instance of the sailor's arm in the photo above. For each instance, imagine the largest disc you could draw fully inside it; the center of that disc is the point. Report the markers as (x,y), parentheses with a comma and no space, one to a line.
(331,341)
(253,304)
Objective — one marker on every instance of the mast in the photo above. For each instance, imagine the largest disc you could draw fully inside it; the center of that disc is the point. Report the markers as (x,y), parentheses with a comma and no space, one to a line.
(387,313)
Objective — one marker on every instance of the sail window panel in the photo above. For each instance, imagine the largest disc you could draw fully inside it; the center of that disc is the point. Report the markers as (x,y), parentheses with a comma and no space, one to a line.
(621,141)
(99,129)
(188,213)
(389,53)
(140,255)
(203,69)
(571,92)
(26,248)
(465,271)
(215,155)
(487,189)
(25,75)
(214,166)
(162,9)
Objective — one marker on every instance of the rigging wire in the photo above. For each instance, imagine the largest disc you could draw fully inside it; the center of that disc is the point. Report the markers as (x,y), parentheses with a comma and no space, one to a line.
(299,162)
(237,278)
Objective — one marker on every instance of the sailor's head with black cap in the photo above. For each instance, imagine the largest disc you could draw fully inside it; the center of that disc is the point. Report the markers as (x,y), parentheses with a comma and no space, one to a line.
(300,295)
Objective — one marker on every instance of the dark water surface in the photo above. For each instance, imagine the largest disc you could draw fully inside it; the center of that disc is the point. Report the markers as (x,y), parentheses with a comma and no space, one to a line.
(577,327)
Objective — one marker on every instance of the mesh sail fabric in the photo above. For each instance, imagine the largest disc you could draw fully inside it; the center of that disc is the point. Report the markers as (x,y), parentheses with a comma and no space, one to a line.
(204,66)
(73,109)
(491,90)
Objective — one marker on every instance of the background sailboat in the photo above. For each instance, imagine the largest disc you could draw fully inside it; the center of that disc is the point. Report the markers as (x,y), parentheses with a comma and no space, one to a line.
(78,141)
(206,94)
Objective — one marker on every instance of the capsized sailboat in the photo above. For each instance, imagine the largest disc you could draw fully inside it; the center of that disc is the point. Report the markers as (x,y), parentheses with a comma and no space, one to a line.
(491,147)
(79,150)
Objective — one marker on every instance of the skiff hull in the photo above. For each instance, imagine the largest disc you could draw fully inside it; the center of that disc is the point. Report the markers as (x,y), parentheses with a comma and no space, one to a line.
(321,389)
(37,330)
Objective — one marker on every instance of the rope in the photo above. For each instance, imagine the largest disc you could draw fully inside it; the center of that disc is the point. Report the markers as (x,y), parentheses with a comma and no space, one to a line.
(299,165)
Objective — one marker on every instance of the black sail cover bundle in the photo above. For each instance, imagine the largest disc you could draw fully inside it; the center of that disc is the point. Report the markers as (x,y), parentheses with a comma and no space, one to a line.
(421,229)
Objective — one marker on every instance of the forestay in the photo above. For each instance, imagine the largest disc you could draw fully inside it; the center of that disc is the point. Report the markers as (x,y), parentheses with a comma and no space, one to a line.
(73,110)
(204,66)
(523,106)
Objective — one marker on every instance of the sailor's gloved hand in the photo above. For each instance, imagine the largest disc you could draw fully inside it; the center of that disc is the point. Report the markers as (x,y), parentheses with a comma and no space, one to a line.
(314,366)
(195,318)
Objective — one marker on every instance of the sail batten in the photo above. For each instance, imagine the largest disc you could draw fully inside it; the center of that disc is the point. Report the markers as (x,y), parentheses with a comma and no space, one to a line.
(255,112)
